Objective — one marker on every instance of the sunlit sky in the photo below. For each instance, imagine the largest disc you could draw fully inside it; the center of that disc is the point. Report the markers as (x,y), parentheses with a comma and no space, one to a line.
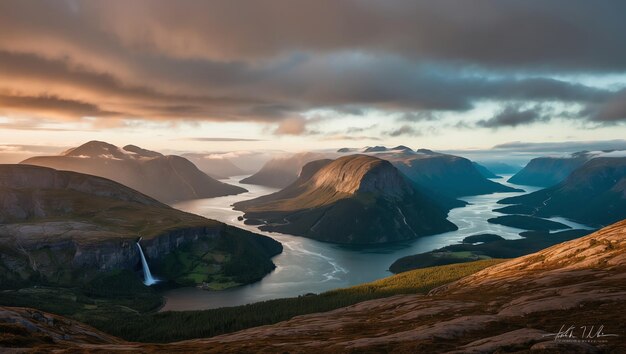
(288,75)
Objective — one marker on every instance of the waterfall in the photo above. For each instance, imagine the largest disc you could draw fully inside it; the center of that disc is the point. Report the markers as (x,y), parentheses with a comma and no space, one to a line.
(147,276)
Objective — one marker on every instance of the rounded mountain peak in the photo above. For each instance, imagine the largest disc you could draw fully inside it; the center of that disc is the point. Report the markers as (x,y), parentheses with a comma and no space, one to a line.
(356,174)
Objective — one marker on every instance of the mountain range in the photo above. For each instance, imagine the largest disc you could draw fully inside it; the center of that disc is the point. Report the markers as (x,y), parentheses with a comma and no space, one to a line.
(167,178)
(357,199)
(593,194)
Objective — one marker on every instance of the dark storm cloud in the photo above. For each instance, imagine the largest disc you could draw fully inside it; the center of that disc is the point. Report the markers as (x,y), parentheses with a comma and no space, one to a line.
(405,130)
(512,116)
(51,104)
(563,147)
(271,60)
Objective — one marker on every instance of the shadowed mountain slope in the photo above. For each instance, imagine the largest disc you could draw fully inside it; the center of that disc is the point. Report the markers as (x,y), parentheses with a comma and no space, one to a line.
(593,194)
(447,174)
(548,171)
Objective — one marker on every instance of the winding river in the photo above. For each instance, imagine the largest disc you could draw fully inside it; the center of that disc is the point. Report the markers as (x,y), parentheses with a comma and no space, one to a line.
(309,266)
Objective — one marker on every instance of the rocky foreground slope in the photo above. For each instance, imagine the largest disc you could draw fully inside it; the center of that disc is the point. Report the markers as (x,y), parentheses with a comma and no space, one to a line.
(165,178)
(356,199)
(515,306)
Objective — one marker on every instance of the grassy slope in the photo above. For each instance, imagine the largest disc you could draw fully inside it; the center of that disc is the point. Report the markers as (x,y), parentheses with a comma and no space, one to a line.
(131,321)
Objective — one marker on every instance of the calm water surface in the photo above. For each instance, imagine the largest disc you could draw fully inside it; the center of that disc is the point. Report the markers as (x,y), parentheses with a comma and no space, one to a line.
(308,266)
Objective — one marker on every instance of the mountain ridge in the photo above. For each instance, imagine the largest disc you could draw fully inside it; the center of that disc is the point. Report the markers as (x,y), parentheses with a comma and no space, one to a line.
(166,178)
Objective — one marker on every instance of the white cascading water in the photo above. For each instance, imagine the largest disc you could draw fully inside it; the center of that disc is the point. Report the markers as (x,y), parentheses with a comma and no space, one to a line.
(147,276)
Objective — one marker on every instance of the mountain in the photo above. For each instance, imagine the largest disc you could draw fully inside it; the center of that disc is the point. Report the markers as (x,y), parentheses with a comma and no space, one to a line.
(218,168)
(280,172)
(66,228)
(165,178)
(356,199)
(594,194)
(484,171)
(548,171)
(519,305)
(500,168)
(375,149)
(447,174)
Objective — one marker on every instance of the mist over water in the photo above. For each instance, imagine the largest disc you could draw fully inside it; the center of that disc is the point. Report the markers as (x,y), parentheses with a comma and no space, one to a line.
(309,266)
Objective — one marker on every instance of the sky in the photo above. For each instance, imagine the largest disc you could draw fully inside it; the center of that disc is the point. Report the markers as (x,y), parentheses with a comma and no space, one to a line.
(291,75)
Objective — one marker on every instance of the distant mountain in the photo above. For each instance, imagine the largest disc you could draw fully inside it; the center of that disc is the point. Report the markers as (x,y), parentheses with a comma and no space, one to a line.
(500,168)
(375,149)
(280,172)
(356,199)
(548,171)
(447,174)
(593,194)
(484,171)
(217,168)
(65,228)
(165,178)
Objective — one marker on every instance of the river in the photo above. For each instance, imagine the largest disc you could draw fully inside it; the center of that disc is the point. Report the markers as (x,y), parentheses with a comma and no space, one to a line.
(309,266)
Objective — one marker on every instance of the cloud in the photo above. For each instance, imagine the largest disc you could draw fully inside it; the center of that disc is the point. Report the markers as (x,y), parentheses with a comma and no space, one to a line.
(272,60)
(513,116)
(612,111)
(405,130)
(564,146)
(292,126)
